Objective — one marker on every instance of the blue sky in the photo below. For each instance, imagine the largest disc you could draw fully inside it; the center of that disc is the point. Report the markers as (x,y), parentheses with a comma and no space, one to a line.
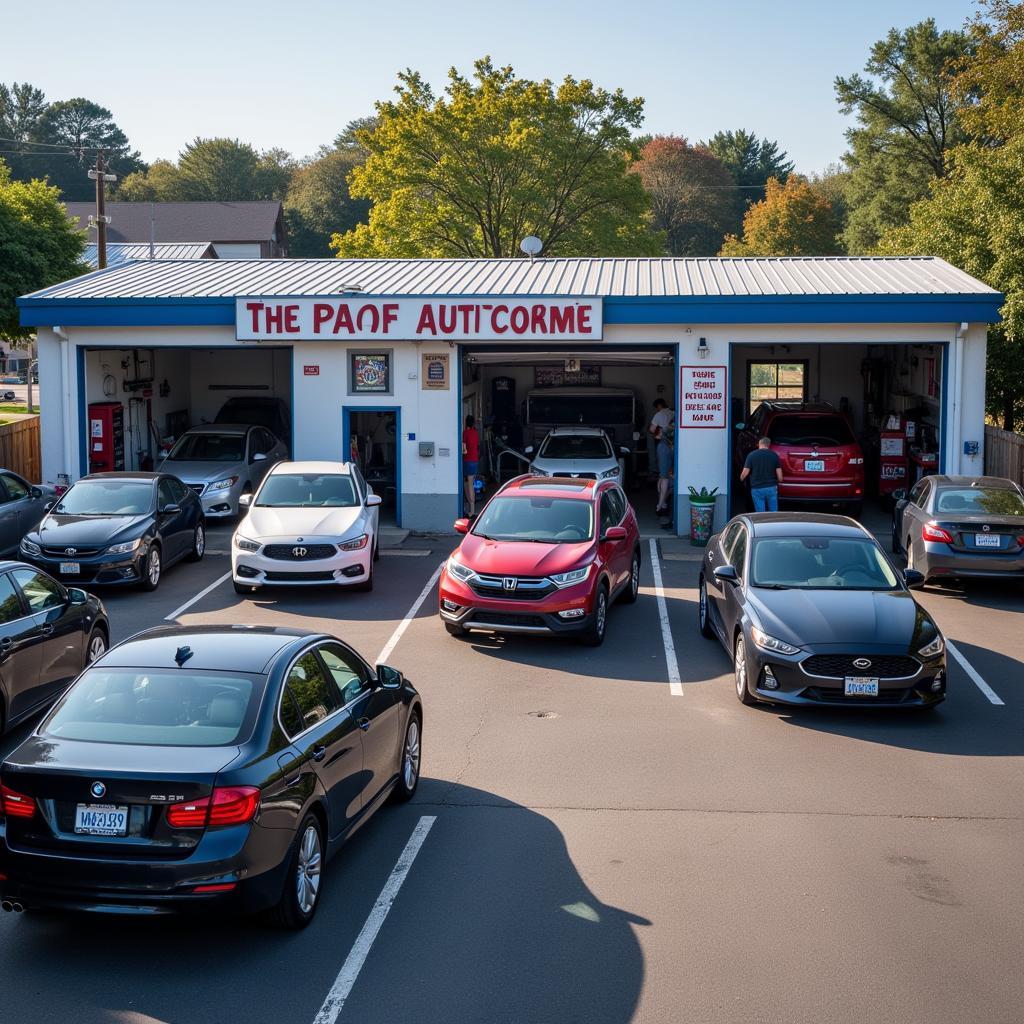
(292,74)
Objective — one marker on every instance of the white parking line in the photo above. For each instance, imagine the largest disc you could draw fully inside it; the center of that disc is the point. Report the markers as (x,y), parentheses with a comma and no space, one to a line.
(192,600)
(975,678)
(364,940)
(410,615)
(675,685)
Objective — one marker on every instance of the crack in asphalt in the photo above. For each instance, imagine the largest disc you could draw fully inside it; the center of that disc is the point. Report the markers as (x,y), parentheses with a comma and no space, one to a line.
(460,774)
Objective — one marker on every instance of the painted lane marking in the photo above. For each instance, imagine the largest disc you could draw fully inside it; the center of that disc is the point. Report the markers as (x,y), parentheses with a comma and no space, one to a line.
(192,600)
(364,940)
(675,685)
(410,615)
(975,678)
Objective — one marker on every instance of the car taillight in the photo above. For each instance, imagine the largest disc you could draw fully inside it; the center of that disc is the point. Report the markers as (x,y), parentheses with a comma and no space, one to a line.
(14,804)
(935,533)
(226,805)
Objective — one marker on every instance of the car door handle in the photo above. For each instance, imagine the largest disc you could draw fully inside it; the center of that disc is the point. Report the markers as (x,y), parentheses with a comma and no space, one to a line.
(46,630)
(293,782)
(363,723)
(319,753)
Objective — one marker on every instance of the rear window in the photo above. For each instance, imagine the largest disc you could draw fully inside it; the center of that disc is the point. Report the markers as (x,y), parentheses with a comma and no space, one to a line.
(158,708)
(993,501)
(575,446)
(820,430)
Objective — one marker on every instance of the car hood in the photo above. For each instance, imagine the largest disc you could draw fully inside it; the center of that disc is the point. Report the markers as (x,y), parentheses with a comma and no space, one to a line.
(564,467)
(847,617)
(200,471)
(88,531)
(293,523)
(521,558)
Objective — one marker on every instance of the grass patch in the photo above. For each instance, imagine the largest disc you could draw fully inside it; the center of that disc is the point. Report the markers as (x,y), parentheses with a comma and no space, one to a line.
(18,408)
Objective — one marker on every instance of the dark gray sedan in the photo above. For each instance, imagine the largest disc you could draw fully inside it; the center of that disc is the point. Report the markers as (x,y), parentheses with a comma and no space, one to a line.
(21,507)
(954,526)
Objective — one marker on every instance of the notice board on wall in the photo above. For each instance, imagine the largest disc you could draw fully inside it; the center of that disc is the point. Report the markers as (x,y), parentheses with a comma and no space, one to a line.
(704,396)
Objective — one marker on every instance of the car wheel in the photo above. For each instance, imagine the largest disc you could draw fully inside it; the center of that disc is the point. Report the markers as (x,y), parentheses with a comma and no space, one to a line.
(594,636)
(198,544)
(454,629)
(739,662)
(97,645)
(409,766)
(152,568)
(301,894)
(704,610)
(632,589)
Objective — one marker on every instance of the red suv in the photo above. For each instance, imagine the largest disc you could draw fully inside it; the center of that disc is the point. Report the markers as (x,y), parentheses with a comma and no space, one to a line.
(546,555)
(821,459)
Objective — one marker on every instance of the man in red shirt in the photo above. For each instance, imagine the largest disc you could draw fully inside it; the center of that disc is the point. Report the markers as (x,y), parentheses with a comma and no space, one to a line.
(470,460)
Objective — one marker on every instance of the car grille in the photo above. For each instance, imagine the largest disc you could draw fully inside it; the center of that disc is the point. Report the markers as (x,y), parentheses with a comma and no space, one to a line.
(527,588)
(503,619)
(198,488)
(286,552)
(299,577)
(835,695)
(62,554)
(883,666)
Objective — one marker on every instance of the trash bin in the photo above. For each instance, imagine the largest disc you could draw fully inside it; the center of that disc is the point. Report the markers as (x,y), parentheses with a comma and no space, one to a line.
(702,521)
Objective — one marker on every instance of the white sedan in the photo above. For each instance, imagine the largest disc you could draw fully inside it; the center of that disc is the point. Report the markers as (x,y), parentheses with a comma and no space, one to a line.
(309,524)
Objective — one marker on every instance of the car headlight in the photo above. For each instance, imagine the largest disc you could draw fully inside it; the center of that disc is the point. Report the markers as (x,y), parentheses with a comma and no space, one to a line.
(30,547)
(934,648)
(614,471)
(224,484)
(123,549)
(572,577)
(355,544)
(771,643)
(459,571)
(244,544)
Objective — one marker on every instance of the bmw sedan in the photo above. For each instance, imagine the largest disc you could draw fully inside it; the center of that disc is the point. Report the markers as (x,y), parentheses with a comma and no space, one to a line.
(811,612)
(215,768)
(118,528)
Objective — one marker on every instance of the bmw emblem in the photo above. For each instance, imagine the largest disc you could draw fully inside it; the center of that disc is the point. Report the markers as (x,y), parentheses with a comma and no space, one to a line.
(98,790)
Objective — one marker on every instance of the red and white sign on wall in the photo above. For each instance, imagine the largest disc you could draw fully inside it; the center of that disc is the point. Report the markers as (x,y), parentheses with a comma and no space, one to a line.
(703,396)
(358,319)
(310,371)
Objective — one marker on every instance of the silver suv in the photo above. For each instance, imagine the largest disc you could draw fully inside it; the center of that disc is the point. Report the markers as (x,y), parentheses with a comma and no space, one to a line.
(584,452)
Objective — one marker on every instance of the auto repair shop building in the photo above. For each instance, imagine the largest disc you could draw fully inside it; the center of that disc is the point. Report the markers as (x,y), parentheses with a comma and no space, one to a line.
(380,360)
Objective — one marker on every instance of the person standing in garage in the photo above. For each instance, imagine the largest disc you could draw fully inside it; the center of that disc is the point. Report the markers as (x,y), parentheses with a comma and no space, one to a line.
(763,467)
(470,463)
(662,429)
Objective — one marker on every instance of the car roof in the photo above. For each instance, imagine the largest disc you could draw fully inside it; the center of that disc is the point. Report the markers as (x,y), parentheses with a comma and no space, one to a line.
(947,480)
(574,431)
(215,648)
(123,475)
(312,466)
(552,487)
(803,524)
(220,428)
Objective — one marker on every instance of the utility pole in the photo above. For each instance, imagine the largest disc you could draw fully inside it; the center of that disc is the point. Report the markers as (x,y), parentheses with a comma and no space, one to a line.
(101,220)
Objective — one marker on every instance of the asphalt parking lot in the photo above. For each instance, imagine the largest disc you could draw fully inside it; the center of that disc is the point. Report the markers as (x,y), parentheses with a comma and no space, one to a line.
(591,846)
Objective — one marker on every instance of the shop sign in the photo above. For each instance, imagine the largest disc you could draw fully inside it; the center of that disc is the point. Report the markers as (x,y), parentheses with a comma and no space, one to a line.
(371,372)
(310,371)
(358,319)
(704,396)
(435,371)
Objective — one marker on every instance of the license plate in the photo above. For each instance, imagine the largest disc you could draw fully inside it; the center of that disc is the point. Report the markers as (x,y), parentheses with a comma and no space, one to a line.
(70,568)
(861,686)
(986,540)
(101,819)
(814,465)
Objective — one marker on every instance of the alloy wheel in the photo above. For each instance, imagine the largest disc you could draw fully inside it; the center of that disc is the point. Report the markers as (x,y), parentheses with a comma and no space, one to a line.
(307,875)
(153,566)
(97,646)
(634,576)
(741,669)
(702,598)
(601,612)
(199,544)
(411,755)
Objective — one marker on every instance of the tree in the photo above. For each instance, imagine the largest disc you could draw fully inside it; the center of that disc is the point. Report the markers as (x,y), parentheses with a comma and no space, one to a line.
(348,137)
(833,184)
(494,159)
(38,245)
(907,121)
(793,219)
(159,183)
(319,205)
(227,170)
(690,192)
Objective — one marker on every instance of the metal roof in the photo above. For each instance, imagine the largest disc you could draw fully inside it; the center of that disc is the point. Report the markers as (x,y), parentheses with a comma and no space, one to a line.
(256,221)
(122,252)
(711,278)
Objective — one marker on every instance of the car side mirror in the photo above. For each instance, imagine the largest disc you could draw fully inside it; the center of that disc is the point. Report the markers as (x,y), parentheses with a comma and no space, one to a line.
(36,492)
(623,450)
(388,677)
(725,574)
(528,450)
(899,495)
(49,505)
(373,500)
(259,457)
(170,510)
(77,596)
(462,526)
(615,533)
(245,500)
(913,578)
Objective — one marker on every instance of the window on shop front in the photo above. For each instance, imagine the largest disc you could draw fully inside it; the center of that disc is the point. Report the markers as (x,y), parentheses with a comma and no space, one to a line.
(769,381)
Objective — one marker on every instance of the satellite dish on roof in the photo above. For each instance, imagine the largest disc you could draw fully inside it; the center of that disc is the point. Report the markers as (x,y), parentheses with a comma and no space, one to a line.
(532,246)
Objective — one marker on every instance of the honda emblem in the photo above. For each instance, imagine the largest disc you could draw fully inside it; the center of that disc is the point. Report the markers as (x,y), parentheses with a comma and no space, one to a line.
(299,552)
(509,582)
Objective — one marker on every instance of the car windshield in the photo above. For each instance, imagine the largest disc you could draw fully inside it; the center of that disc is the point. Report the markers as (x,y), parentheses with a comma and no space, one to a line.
(107,498)
(575,446)
(544,520)
(998,501)
(308,490)
(821,563)
(202,447)
(157,707)
(821,430)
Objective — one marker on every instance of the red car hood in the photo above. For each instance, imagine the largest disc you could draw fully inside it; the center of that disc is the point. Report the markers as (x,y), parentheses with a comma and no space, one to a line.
(517,558)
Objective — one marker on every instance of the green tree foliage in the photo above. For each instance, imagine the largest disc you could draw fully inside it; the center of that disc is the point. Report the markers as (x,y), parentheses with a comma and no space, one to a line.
(906,123)
(496,158)
(38,246)
(793,219)
(159,183)
(318,204)
(690,192)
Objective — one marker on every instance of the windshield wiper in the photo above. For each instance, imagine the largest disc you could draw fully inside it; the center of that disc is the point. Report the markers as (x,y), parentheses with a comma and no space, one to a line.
(773,586)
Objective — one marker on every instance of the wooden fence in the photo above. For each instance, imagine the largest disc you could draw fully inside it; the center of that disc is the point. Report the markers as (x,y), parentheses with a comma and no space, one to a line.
(19,448)
(1004,454)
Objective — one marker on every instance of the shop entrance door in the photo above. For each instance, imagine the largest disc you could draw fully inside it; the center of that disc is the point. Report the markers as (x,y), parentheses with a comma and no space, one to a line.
(371,436)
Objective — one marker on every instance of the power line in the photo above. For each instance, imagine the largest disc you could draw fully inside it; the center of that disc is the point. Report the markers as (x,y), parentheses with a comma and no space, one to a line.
(65,147)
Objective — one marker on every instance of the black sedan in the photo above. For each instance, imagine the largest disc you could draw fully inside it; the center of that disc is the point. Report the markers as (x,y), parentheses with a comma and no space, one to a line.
(119,528)
(811,612)
(208,768)
(48,634)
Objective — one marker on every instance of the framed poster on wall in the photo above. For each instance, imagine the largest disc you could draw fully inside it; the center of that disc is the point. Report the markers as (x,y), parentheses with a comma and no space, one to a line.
(370,372)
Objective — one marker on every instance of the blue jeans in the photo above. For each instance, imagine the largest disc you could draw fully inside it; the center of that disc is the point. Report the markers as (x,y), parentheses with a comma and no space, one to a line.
(766,499)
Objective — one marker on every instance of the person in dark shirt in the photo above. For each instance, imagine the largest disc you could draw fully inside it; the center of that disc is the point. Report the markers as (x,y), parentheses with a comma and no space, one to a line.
(763,467)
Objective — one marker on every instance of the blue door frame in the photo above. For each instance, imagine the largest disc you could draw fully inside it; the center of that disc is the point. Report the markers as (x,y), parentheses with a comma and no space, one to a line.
(346,420)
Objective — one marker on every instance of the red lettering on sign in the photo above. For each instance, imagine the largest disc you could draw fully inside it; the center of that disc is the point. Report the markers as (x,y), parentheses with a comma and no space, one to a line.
(520,320)
(447,322)
(563,321)
(538,323)
(322,312)
(311,371)
(254,311)
(390,310)
(274,318)
(291,319)
(583,320)
(427,321)
(494,320)
(343,319)
(374,318)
